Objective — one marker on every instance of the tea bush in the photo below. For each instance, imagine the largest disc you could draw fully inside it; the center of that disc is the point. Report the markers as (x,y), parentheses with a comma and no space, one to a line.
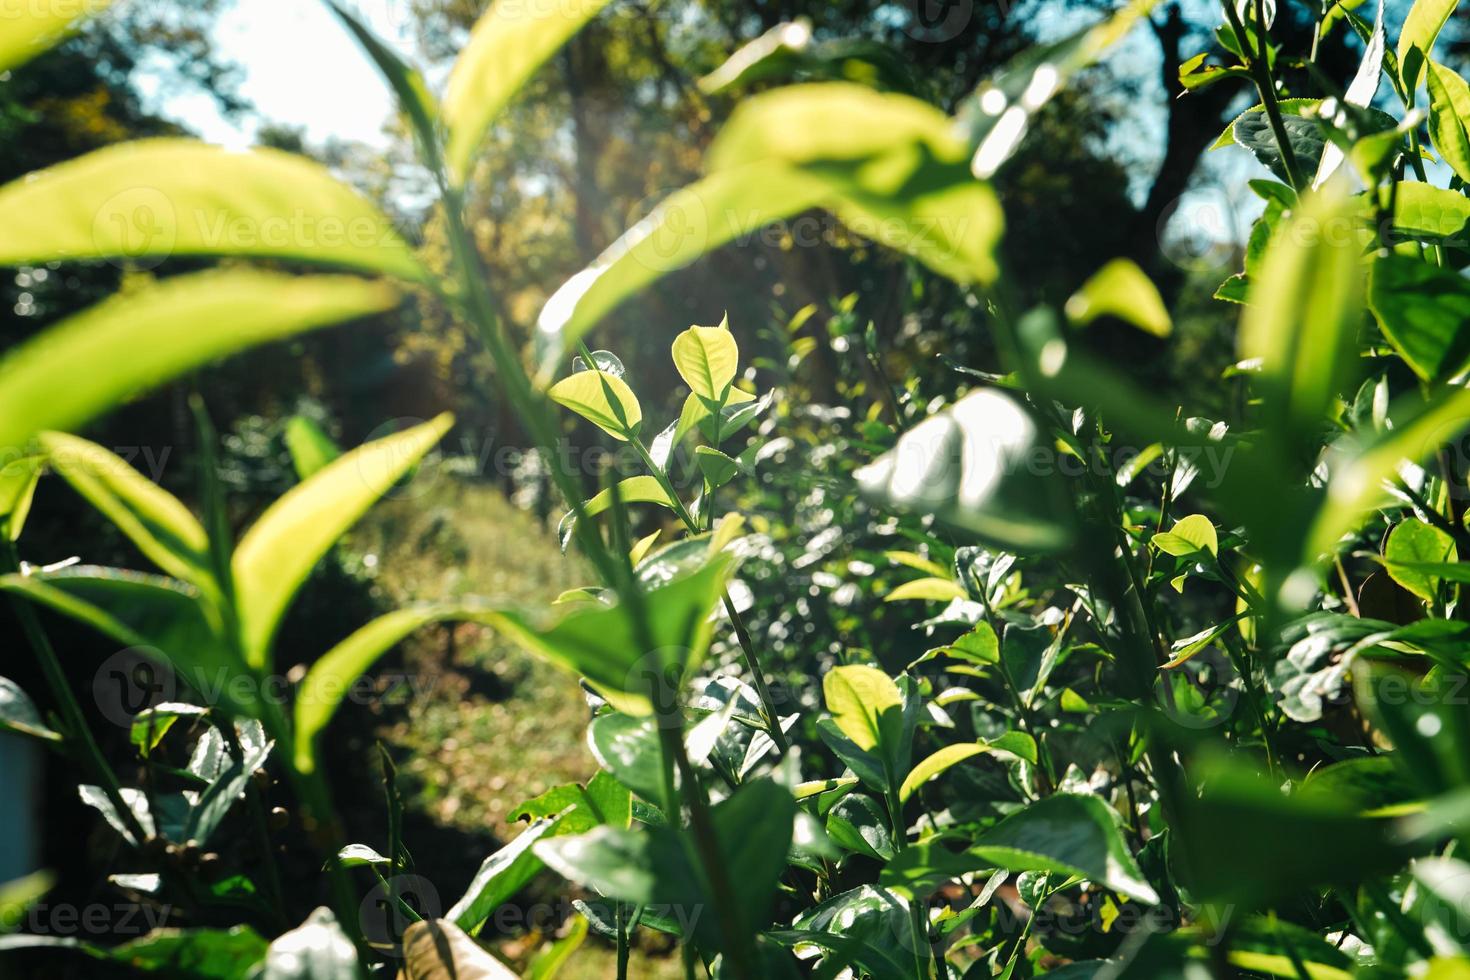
(1036,674)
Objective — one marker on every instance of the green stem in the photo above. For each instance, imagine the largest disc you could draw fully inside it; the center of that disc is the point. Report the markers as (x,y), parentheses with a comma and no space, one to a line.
(1259,67)
(71,711)
(742,635)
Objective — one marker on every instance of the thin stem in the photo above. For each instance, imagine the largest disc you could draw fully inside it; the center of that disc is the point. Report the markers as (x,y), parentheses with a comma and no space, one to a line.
(71,711)
(1257,64)
(742,635)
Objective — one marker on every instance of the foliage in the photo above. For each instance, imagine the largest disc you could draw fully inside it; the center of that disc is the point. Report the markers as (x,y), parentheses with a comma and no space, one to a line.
(1185,695)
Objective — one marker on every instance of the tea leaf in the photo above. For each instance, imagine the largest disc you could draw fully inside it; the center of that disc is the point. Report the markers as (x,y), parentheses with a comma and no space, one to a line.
(285,543)
(157,198)
(126,345)
(508,43)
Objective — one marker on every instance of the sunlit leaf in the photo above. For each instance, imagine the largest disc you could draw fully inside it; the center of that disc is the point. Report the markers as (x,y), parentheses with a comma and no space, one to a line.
(1449,117)
(1416,39)
(865,703)
(286,542)
(933,765)
(334,673)
(509,42)
(157,198)
(18,713)
(27,29)
(603,399)
(434,948)
(1413,542)
(89,362)
(1303,314)
(707,358)
(1121,289)
(973,466)
(151,517)
(310,447)
(18,479)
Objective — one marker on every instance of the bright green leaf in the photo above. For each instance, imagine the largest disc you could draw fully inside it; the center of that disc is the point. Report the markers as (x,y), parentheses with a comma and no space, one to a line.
(159,198)
(933,765)
(866,705)
(603,399)
(509,42)
(27,29)
(286,542)
(1121,289)
(126,345)
(1415,542)
(707,358)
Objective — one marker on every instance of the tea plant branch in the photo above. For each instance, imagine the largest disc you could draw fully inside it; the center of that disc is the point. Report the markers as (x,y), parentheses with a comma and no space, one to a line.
(71,712)
(1258,65)
(742,634)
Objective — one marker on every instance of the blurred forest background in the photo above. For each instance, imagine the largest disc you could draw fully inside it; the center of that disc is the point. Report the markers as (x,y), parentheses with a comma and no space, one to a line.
(616,122)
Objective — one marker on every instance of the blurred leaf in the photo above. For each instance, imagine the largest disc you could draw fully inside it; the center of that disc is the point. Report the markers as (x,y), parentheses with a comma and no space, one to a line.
(317,949)
(1244,841)
(80,368)
(1303,315)
(215,802)
(310,447)
(437,949)
(18,479)
(151,517)
(548,963)
(28,29)
(198,200)
(1423,310)
(278,552)
(927,590)
(973,466)
(1121,289)
(603,399)
(19,894)
(18,713)
(1415,542)
(996,115)
(508,43)
(151,724)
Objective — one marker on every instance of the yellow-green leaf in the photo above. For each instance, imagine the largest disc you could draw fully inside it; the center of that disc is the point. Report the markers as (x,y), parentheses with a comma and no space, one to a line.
(1416,40)
(27,28)
(157,198)
(18,480)
(507,45)
(280,550)
(603,399)
(1304,311)
(928,589)
(329,679)
(126,345)
(917,562)
(1449,115)
(935,764)
(1192,534)
(1121,289)
(707,359)
(865,703)
(151,517)
(685,225)
(1414,543)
